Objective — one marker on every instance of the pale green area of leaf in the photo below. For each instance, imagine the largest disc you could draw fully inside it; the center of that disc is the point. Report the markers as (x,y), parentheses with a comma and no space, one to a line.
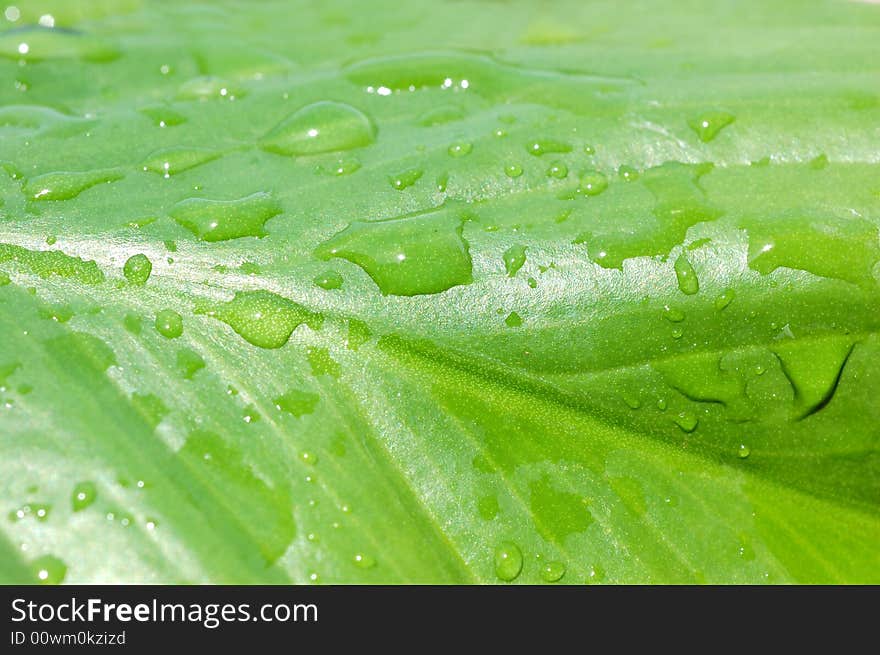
(639,420)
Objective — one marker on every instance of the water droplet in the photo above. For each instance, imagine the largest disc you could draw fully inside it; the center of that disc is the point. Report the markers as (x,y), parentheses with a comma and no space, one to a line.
(84,494)
(53,262)
(557,170)
(208,87)
(661,404)
(593,183)
(686,421)
(552,571)
(672,314)
(220,220)
(632,401)
(544,146)
(513,170)
(442,182)
(4,279)
(36,43)
(189,362)
(363,561)
(322,363)
(460,149)
(320,127)
(628,173)
(595,573)
(170,161)
(163,116)
(686,275)
(132,323)
(533,283)
(137,269)
(819,162)
(418,254)
(297,402)
(64,185)
(328,280)
(513,320)
(743,451)
(341,167)
(49,569)
(264,319)
(169,323)
(708,125)
(57,313)
(406,178)
(440,115)
(508,561)
(814,369)
(514,258)
(250,414)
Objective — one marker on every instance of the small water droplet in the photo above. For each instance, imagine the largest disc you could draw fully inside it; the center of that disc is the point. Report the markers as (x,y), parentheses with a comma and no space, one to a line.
(405,179)
(84,494)
(460,149)
(513,320)
(628,173)
(170,161)
(189,362)
(508,561)
(363,561)
(686,421)
(557,170)
(544,146)
(708,125)
(513,170)
(309,458)
(169,323)
(593,183)
(297,402)
(686,275)
(328,280)
(137,269)
(49,569)
(743,451)
(724,299)
(672,314)
(514,258)
(320,127)
(552,571)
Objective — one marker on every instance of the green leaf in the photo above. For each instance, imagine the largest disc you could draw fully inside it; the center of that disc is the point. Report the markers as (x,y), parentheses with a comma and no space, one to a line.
(371,293)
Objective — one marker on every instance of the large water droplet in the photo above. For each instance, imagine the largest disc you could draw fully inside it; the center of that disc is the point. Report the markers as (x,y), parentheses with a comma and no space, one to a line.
(320,127)
(38,43)
(419,254)
(262,318)
(220,220)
